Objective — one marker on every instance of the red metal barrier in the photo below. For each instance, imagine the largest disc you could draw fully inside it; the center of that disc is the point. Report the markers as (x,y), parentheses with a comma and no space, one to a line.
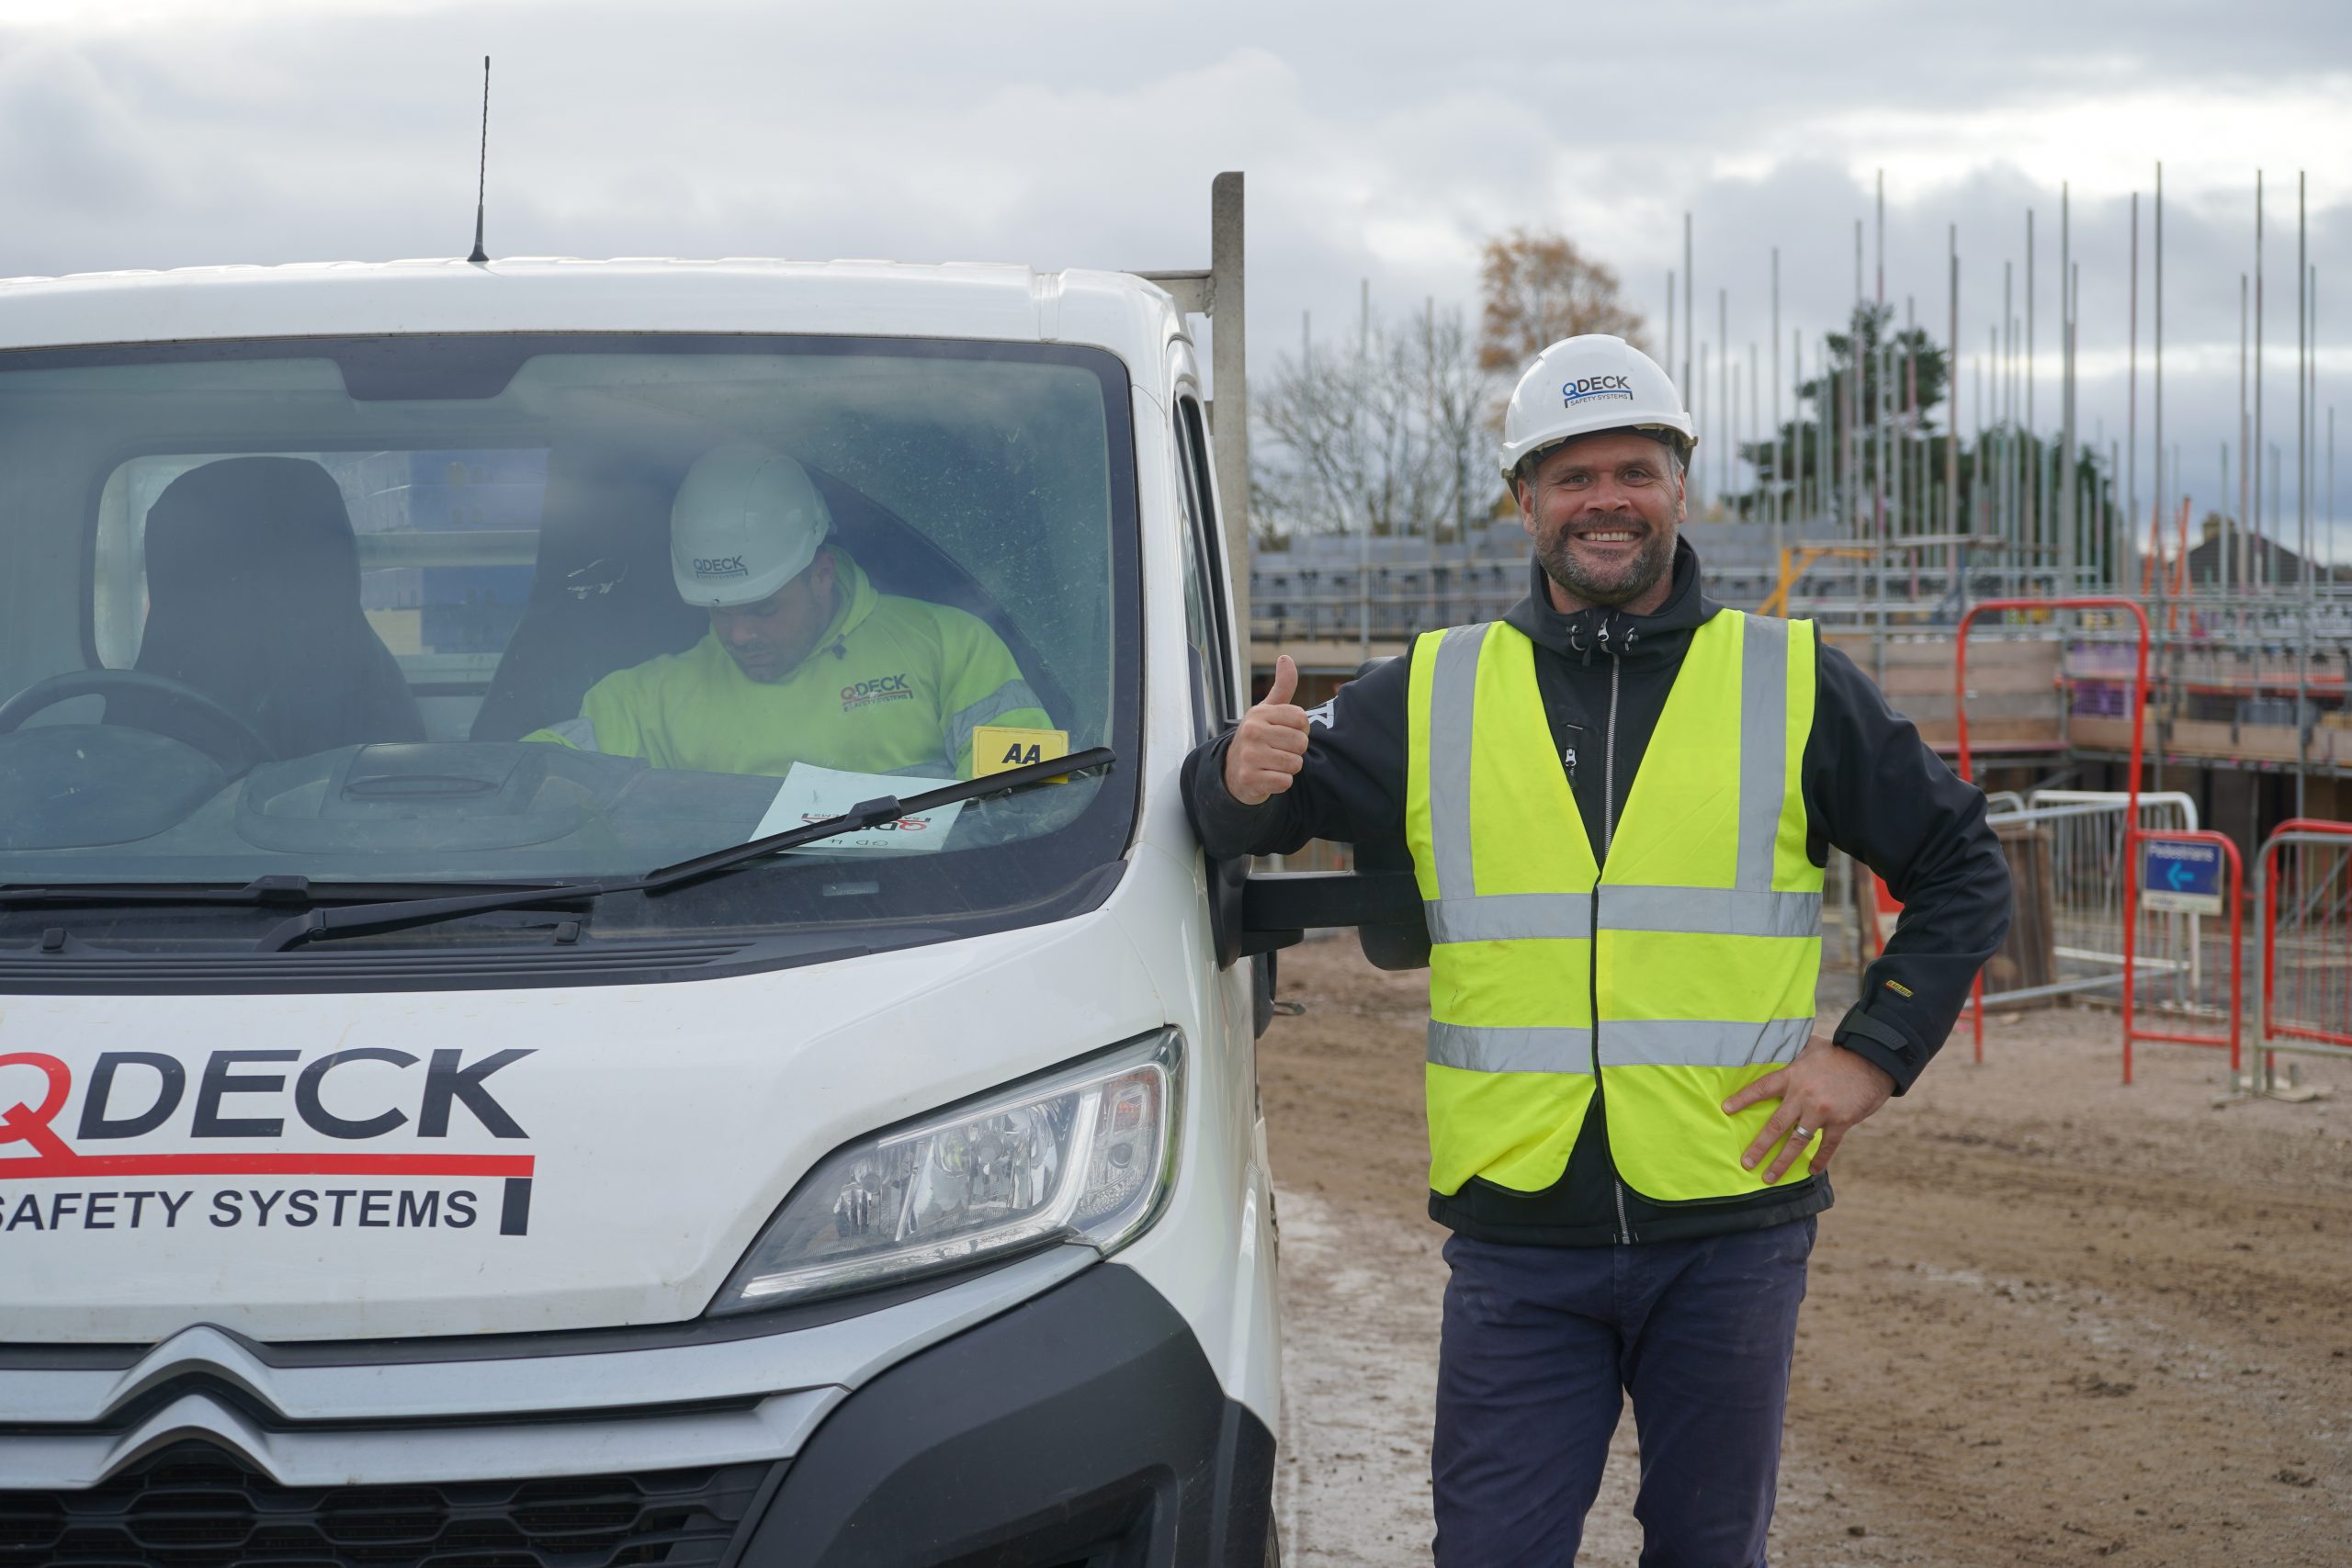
(2132,779)
(2234,914)
(2315,1017)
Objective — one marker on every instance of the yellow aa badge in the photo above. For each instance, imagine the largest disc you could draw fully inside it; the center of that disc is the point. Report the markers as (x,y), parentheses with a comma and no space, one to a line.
(998,748)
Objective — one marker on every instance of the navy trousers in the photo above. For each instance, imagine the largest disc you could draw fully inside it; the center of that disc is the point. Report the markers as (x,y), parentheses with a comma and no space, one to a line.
(1540,1344)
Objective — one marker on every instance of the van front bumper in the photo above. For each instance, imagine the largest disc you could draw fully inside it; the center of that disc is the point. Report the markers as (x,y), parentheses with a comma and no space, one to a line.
(1084,1427)
(1053,1411)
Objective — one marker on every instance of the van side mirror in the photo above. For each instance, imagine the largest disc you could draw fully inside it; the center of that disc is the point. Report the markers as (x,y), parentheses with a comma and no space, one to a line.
(1280,908)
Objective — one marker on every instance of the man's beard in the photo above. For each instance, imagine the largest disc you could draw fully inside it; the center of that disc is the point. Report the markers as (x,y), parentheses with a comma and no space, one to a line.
(1637,577)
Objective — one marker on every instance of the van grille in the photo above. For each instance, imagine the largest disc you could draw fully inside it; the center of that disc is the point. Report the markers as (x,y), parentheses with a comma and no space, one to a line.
(192,1506)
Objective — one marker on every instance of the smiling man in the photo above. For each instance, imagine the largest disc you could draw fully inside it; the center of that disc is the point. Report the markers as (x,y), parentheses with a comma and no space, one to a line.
(805,661)
(1619,800)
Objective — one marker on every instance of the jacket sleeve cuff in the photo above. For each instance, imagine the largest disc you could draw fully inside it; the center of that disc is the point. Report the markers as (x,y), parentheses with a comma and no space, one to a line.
(1221,821)
(1882,1043)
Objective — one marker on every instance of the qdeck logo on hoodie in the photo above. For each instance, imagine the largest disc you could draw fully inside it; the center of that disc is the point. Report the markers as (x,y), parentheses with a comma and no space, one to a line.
(881,689)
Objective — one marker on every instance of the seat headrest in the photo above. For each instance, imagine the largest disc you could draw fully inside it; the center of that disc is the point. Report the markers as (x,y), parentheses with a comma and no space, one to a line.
(253,598)
(242,523)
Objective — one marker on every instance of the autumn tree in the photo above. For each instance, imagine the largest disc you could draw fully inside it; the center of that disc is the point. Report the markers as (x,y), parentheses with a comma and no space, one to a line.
(1539,289)
(1392,434)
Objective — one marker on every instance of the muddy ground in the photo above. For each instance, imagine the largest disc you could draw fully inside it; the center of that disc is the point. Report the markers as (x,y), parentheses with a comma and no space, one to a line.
(2052,1319)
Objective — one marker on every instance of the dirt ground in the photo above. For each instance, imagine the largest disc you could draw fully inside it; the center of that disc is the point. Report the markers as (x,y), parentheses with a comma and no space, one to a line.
(2052,1319)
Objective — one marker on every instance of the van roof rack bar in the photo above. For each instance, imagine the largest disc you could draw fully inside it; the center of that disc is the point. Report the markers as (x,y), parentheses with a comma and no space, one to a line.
(1218,293)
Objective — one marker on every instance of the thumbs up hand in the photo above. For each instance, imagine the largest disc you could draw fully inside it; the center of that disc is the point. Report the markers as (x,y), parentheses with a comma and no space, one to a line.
(1270,746)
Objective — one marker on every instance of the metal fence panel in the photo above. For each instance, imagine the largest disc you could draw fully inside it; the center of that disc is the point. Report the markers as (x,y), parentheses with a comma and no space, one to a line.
(2085,832)
(2305,870)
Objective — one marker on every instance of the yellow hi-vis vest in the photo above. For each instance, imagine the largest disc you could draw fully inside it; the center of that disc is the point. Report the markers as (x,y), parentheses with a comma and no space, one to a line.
(1683,971)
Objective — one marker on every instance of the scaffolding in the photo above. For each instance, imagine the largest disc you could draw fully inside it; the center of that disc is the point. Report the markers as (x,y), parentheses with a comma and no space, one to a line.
(1881,512)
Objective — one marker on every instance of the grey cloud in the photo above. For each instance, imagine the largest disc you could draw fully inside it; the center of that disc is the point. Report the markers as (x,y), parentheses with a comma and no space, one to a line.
(76,149)
(1381,142)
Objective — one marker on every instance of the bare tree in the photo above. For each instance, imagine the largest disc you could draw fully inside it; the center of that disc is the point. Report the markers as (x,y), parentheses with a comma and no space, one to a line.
(1460,395)
(1540,289)
(1387,435)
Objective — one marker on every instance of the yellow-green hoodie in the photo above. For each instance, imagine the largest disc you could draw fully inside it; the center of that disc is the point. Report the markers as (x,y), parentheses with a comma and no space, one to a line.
(896,685)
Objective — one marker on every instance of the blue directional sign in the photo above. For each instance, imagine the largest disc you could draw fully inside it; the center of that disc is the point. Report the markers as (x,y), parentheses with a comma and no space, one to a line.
(2183,875)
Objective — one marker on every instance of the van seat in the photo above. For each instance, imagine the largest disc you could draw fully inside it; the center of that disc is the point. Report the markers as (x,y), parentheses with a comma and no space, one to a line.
(252,587)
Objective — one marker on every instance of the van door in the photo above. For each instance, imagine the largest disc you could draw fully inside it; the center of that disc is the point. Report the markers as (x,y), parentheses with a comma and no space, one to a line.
(1216,667)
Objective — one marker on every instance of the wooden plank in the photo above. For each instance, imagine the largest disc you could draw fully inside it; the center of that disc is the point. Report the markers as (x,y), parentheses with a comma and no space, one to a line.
(2213,737)
(2029,954)
(2094,733)
(1857,647)
(1939,676)
(1993,733)
(1327,656)
(1981,706)
(2033,680)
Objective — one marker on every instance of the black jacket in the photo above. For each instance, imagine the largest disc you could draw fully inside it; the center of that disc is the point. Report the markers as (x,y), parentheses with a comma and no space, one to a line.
(1871,787)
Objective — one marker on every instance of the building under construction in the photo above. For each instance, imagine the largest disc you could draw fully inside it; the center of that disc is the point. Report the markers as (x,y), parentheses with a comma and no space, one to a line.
(2247,685)
(1880,512)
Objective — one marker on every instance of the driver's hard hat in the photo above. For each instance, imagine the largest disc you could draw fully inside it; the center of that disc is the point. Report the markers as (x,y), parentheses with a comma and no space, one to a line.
(747,521)
(1583,383)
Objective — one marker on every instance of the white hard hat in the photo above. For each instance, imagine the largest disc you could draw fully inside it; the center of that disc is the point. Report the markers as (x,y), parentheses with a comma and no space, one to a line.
(1583,383)
(747,521)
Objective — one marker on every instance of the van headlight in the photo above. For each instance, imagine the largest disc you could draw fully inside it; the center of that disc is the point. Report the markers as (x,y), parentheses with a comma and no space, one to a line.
(1084,1152)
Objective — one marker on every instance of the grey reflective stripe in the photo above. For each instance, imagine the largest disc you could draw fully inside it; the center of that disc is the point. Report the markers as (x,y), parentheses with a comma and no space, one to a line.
(1453,698)
(1509,917)
(1012,694)
(580,734)
(1710,911)
(1510,1050)
(1684,1043)
(1763,746)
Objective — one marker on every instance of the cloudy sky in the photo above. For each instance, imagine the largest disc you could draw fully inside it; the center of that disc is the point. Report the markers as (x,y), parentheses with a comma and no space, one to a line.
(1381,142)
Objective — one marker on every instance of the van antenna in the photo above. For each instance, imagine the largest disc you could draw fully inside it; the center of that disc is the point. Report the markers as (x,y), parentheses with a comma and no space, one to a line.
(481,173)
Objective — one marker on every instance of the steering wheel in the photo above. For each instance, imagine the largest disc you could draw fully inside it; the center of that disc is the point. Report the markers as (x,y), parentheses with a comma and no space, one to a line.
(225,738)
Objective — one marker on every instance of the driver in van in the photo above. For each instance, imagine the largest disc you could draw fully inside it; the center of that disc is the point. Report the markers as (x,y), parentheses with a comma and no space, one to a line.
(805,661)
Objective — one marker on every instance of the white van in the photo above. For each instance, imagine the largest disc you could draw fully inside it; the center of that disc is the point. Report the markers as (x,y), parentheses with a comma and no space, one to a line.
(391,1170)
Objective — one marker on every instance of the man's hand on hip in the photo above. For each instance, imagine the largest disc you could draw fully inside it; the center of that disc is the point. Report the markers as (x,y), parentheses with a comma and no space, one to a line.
(1270,746)
(1825,1092)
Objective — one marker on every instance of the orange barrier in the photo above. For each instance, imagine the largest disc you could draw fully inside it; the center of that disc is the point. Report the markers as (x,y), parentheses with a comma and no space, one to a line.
(2304,882)
(2190,966)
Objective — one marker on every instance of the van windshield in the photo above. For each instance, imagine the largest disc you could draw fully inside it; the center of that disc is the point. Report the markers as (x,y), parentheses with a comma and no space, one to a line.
(504,609)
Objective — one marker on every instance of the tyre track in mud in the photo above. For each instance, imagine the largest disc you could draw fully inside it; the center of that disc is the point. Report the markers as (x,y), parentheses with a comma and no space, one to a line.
(2052,1320)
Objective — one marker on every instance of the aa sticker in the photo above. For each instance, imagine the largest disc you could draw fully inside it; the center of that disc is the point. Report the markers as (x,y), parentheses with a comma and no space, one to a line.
(998,748)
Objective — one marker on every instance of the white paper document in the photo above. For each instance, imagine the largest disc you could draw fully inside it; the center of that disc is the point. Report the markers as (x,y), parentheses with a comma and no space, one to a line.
(812,794)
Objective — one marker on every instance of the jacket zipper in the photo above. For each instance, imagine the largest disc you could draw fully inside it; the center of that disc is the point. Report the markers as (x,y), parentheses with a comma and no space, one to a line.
(1608,834)
(1592,969)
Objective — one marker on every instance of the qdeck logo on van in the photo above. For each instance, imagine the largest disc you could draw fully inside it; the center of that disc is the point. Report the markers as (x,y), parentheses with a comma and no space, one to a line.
(1586,387)
(134,1101)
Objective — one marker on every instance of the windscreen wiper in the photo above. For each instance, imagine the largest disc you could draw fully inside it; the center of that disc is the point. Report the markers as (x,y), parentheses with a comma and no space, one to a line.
(873,814)
(356,920)
(299,891)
